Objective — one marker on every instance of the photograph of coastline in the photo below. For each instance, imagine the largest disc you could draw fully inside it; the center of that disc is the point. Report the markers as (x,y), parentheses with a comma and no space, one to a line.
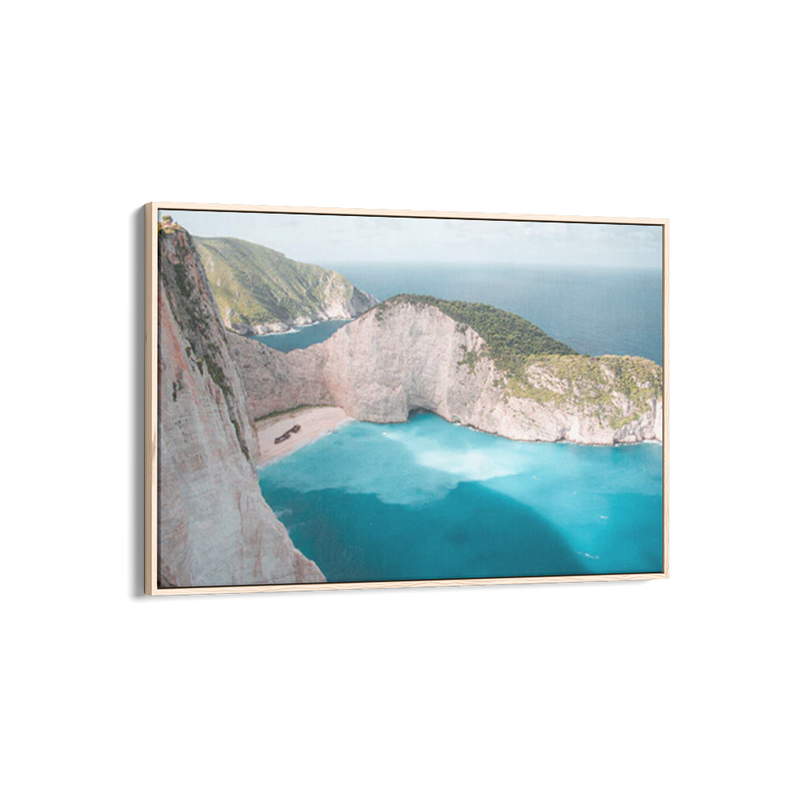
(349,398)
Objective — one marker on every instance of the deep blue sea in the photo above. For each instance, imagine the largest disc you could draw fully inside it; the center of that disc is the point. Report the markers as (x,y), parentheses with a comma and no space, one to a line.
(598,312)
(428,499)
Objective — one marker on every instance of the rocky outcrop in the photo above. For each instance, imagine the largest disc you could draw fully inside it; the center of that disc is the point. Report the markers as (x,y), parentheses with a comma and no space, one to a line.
(214,527)
(339,300)
(408,356)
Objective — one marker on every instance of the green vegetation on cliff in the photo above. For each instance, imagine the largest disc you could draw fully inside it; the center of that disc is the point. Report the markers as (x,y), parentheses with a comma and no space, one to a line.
(255,285)
(597,382)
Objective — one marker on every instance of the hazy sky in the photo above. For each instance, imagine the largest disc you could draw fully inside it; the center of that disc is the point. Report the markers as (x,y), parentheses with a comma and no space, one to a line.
(341,239)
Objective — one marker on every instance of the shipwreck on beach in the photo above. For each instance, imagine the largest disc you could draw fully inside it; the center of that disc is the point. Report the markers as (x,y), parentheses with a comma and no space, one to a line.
(284,436)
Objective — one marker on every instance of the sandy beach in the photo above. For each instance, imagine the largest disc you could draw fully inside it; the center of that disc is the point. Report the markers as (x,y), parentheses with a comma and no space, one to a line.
(314,422)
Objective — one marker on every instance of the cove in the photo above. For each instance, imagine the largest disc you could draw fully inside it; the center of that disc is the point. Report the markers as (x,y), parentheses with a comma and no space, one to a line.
(427,499)
(303,337)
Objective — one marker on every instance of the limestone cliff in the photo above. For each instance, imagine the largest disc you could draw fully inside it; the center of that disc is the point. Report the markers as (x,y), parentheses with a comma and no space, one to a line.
(405,355)
(215,528)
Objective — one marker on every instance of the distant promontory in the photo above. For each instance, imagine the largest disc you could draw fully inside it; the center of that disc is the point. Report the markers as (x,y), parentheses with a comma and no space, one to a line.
(259,290)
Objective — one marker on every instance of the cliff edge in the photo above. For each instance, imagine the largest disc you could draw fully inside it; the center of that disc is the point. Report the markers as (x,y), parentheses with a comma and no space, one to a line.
(214,527)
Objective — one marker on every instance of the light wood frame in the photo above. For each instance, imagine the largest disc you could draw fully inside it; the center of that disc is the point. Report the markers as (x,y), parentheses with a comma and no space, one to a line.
(152,207)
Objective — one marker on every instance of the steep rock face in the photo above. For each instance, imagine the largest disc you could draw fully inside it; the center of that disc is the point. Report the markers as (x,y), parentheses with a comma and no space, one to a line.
(214,527)
(342,300)
(278,381)
(405,356)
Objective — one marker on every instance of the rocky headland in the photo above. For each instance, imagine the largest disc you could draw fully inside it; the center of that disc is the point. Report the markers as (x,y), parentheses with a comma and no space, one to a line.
(418,353)
(259,290)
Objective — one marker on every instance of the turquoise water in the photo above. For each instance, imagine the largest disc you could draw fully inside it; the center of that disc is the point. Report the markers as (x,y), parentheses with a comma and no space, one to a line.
(302,337)
(427,499)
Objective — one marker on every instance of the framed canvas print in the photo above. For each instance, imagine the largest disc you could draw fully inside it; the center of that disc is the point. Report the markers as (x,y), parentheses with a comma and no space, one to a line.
(350,398)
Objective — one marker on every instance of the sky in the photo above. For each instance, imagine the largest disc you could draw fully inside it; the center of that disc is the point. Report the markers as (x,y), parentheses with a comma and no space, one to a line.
(337,239)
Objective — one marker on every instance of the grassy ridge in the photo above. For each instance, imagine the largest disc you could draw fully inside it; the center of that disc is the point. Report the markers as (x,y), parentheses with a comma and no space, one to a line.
(261,286)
